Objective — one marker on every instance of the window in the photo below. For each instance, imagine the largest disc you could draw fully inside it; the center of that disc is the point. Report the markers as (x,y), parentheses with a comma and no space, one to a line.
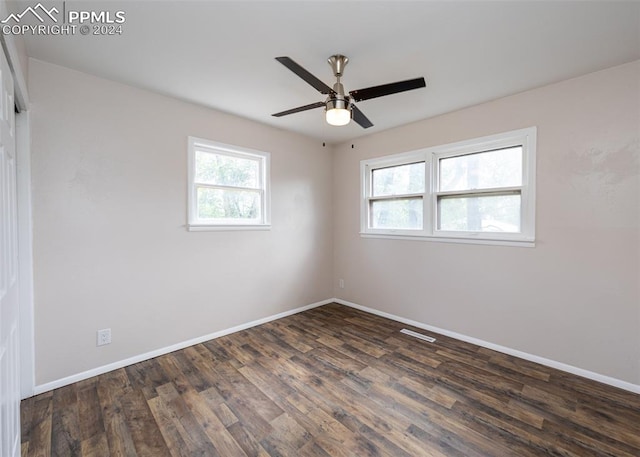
(397,195)
(228,186)
(481,190)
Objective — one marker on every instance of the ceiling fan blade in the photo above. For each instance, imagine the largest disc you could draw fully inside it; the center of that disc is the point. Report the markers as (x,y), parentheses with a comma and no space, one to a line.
(360,118)
(304,74)
(387,89)
(300,108)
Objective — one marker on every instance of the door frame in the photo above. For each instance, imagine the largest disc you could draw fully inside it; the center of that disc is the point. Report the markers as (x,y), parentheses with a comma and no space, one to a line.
(25,255)
(15,51)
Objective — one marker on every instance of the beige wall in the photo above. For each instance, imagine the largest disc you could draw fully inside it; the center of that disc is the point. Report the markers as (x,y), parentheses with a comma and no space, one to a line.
(575,297)
(111,248)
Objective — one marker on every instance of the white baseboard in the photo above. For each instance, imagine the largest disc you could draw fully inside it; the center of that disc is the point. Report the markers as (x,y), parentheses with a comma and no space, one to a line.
(505,350)
(175,347)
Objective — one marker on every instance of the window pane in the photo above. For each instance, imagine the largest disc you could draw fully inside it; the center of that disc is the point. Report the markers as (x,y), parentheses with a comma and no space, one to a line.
(494,213)
(397,214)
(228,204)
(403,179)
(484,170)
(224,170)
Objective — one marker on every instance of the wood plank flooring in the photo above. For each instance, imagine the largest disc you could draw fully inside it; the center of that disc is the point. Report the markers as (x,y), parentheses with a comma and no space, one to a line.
(333,381)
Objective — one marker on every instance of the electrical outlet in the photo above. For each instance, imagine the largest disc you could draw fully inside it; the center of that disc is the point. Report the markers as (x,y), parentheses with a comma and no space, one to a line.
(104,336)
(341,283)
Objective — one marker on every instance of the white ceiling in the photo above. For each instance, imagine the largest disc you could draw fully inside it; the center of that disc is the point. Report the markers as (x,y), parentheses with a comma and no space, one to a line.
(221,54)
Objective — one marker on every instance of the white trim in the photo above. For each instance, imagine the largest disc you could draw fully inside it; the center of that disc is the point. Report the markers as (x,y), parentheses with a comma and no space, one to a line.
(505,350)
(213,228)
(24,214)
(19,78)
(25,253)
(175,347)
(441,239)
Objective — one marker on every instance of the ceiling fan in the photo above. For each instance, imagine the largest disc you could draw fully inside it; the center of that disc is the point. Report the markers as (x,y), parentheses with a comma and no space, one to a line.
(339,106)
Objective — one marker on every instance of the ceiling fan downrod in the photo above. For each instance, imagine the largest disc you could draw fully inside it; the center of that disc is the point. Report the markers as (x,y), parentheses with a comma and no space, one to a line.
(337,63)
(338,100)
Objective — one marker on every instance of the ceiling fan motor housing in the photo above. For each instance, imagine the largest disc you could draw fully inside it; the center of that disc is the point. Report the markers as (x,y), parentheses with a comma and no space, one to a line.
(338,99)
(337,103)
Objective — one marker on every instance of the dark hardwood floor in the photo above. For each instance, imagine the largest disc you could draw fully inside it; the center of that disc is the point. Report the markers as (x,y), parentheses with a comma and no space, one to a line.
(333,381)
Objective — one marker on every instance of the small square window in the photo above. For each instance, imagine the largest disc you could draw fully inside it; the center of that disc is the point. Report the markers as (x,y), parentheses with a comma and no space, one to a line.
(228,186)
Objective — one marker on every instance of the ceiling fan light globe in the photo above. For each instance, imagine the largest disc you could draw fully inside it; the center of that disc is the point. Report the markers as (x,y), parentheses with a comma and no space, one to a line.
(338,116)
(337,111)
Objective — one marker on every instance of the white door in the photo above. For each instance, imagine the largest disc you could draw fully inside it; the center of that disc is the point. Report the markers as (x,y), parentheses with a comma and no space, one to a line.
(9,363)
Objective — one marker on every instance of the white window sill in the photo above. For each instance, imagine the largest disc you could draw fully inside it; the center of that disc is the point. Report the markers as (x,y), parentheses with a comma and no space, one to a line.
(218,228)
(444,239)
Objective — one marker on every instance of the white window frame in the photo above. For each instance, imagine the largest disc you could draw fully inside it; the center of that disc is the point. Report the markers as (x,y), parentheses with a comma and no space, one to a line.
(526,138)
(263,158)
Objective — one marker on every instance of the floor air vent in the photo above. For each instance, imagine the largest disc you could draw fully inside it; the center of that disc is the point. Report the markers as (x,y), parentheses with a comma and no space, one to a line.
(418,335)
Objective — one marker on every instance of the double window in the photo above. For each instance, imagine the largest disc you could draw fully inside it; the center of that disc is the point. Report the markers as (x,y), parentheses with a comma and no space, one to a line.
(228,186)
(481,190)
